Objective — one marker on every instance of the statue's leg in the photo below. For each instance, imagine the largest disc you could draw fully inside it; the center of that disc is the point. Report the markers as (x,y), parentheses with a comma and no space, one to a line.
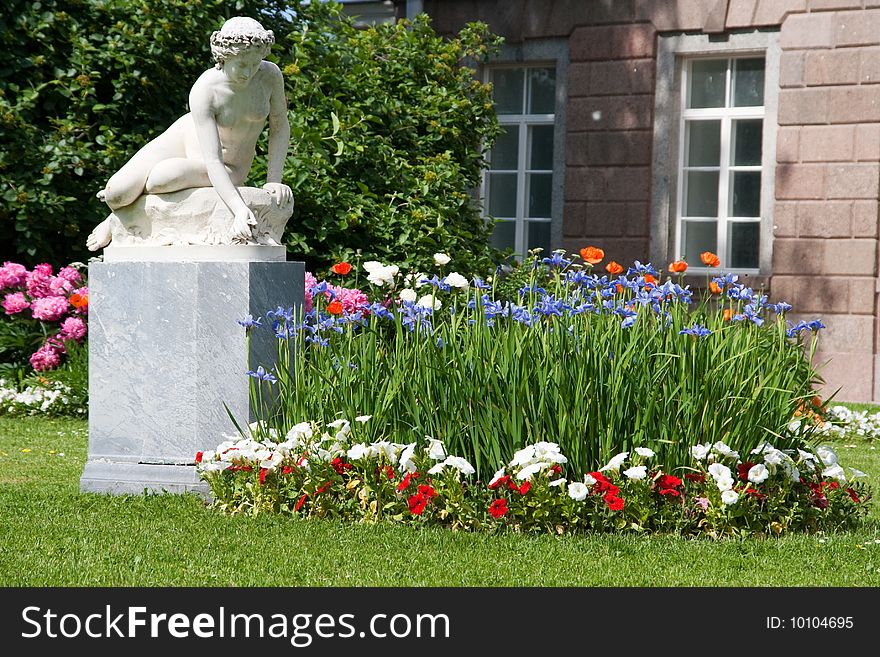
(177,173)
(128,183)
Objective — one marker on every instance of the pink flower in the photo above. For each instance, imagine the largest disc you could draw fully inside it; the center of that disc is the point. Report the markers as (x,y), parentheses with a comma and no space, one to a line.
(15,303)
(49,309)
(46,357)
(12,274)
(351,299)
(38,281)
(59,286)
(73,328)
(70,274)
(311,282)
(703,502)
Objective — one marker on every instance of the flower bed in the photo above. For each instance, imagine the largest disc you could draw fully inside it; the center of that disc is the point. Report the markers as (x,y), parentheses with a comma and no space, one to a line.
(42,398)
(330,473)
(841,422)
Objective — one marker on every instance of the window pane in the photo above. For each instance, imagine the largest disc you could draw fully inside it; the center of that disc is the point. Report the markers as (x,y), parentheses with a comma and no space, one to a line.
(502,194)
(540,194)
(507,86)
(505,152)
(538,235)
(699,236)
(701,194)
(747,142)
(504,235)
(541,143)
(748,82)
(744,242)
(745,200)
(542,90)
(704,143)
(708,78)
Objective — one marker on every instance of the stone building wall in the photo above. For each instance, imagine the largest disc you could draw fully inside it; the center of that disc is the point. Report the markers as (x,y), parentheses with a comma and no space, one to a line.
(825,235)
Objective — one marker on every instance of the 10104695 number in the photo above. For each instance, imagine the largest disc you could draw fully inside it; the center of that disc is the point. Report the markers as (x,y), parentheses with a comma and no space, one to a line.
(810,623)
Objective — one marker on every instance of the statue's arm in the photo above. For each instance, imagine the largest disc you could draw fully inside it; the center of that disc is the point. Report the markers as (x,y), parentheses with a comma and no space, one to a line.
(212,152)
(279,130)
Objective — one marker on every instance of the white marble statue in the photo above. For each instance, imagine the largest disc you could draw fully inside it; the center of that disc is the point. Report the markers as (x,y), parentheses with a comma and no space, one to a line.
(193,171)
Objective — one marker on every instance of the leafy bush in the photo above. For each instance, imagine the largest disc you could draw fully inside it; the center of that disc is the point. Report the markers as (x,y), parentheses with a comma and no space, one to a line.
(332,474)
(595,363)
(387,128)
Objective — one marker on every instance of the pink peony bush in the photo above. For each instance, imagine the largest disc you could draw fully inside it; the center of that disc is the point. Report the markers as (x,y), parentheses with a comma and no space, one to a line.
(58,302)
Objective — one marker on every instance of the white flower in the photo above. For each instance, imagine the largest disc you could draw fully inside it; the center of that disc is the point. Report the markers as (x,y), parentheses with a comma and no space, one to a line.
(408,295)
(645,452)
(441,259)
(358,451)
(835,472)
(531,470)
(338,423)
(436,469)
(390,450)
(827,455)
(856,474)
(406,458)
(807,456)
(457,280)
(430,301)
(724,450)
(299,432)
(435,449)
(523,456)
(729,497)
(558,482)
(496,477)
(724,483)
(636,472)
(700,452)
(578,491)
(719,471)
(460,464)
(362,418)
(614,463)
(589,480)
(774,457)
(380,274)
(758,474)
(372,265)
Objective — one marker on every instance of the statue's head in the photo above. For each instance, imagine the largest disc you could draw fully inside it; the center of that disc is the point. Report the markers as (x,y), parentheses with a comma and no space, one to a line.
(238,35)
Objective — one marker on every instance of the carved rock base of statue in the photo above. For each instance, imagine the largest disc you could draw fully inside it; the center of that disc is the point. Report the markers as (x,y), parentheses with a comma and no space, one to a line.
(196,216)
(165,354)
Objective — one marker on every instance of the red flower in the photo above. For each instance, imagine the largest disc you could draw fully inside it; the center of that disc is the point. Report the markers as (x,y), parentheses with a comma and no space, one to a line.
(334,308)
(390,472)
(743,469)
(754,493)
(263,472)
(417,504)
(650,280)
(341,268)
(403,484)
(526,486)
(613,268)
(670,491)
(820,501)
(501,481)
(302,459)
(198,457)
(247,468)
(556,469)
(498,508)
(614,502)
(79,301)
(853,495)
(302,501)
(287,469)
(678,267)
(427,491)
(695,476)
(710,259)
(833,485)
(340,466)
(323,488)
(668,481)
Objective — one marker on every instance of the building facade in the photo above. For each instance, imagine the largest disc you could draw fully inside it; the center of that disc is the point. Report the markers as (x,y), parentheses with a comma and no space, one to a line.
(658,129)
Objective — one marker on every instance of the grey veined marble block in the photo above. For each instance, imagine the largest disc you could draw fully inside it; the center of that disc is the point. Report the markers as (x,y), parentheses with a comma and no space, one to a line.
(165,354)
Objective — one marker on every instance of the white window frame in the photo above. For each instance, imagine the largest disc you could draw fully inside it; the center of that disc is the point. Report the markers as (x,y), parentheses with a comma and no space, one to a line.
(523,123)
(668,146)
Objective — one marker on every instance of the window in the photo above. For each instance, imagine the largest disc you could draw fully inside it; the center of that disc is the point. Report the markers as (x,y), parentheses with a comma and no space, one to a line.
(518,186)
(719,181)
(714,149)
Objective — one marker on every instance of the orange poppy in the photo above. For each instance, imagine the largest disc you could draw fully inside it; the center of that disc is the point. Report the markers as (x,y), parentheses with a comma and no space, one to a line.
(334,308)
(710,259)
(714,288)
(678,266)
(341,268)
(727,314)
(619,288)
(816,401)
(650,280)
(79,300)
(593,255)
(613,268)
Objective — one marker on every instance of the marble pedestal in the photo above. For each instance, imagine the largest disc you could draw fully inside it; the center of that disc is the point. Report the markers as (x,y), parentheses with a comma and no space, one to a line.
(165,354)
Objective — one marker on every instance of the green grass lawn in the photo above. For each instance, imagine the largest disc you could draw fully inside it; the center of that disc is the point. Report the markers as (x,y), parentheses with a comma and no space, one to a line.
(51,535)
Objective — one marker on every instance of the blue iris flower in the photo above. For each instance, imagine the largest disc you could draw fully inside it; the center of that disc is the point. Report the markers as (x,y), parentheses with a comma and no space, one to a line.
(696,330)
(641,270)
(262,375)
(480,284)
(556,260)
(780,308)
(815,325)
(248,321)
